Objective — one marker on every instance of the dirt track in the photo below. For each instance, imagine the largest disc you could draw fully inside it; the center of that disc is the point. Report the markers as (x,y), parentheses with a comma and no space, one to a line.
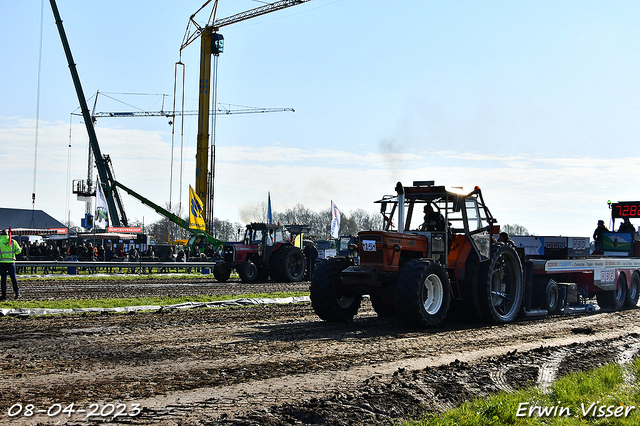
(277,365)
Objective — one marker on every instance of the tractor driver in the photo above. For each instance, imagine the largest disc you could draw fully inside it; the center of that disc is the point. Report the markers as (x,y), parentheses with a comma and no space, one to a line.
(433,220)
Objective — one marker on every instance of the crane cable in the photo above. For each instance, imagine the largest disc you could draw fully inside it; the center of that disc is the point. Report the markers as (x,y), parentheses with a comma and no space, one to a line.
(173,124)
(66,205)
(181,135)
(35,155)
(212,167)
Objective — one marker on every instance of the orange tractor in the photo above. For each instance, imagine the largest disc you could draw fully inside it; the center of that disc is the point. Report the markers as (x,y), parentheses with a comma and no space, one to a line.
(423,267)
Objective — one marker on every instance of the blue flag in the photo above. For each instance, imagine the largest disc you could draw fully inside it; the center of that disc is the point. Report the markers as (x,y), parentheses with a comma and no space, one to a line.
(269,214)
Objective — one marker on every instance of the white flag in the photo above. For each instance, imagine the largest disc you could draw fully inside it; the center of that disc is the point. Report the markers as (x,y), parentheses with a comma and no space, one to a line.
(335,221)
(102,216)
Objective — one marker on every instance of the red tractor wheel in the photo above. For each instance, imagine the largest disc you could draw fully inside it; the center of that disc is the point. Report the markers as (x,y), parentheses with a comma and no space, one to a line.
(248,271)
(288,264)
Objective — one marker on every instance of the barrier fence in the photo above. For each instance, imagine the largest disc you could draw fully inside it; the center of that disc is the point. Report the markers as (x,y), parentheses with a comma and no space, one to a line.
(70,267)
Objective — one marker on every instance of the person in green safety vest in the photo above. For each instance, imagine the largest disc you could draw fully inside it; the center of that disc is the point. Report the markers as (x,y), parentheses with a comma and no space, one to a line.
(8,251)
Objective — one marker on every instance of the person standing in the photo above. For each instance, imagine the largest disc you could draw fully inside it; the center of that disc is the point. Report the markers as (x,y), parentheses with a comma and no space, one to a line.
(311,254)
(8,251)
(597,236)
(627,227)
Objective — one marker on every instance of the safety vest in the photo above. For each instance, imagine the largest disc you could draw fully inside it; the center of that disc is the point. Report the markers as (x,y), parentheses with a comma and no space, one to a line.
(8,249)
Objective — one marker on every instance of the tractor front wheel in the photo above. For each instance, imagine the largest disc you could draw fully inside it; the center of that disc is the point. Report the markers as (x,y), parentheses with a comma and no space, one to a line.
(383,301)
(423,293)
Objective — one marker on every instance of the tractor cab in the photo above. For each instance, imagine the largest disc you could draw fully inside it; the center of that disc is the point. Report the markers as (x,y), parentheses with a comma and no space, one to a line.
(445,218)
(263,252)
(265,236)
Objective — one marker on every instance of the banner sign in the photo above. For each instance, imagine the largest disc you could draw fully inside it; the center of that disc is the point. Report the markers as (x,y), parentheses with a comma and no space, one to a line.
(125,229)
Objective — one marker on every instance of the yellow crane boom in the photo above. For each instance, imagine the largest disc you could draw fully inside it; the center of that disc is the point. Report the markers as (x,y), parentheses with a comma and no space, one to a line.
(212,44)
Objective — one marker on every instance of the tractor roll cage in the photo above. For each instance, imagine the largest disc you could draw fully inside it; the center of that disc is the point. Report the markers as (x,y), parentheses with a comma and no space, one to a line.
(464,213)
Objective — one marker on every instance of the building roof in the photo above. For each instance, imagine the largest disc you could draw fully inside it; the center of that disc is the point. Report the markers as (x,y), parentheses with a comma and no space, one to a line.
(25,218)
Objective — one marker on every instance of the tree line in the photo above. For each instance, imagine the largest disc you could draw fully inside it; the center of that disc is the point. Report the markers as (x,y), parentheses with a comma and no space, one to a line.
(319,223)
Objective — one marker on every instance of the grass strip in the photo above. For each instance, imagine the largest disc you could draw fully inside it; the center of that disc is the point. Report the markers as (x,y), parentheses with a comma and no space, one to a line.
(608,395)
(138,301)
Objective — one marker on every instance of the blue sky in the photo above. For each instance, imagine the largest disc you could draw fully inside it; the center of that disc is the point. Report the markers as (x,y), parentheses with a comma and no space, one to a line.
(535,102)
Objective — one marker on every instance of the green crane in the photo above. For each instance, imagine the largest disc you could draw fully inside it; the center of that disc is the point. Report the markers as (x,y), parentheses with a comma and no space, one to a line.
(199,237)
(116,209)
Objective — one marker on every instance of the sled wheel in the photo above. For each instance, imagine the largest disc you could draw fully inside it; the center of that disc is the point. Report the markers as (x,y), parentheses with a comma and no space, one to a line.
(633,291)
(613,300)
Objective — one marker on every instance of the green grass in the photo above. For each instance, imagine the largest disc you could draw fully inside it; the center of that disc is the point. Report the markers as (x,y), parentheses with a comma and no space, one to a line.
(141,301)
(572,400)
(125,302)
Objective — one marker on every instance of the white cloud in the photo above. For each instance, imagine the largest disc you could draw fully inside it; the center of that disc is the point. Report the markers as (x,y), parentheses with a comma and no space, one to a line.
(547,195)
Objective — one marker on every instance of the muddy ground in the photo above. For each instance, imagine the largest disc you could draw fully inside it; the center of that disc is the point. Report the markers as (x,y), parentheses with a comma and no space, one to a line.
(274,364)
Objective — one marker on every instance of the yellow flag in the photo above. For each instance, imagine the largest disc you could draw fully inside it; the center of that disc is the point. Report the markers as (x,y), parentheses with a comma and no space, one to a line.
(298,241)
(196,221)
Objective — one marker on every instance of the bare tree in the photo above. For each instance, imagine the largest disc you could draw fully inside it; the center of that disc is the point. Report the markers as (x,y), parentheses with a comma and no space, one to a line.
(319,223)
(226,231)
(366,220)
(262,213)
(348,226)
(515,230)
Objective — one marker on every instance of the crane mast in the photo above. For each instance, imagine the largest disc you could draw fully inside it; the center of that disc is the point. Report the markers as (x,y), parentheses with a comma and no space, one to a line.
(212,44)
(116,209)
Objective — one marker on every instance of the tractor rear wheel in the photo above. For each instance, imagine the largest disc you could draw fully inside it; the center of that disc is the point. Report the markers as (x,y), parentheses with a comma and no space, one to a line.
(248,271)
(288,264)
(468,307)
(501,285)
(423,293)
(221,272)
(329,299)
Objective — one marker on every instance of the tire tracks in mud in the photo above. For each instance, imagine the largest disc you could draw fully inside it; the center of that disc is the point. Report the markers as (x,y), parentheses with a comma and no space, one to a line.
(280,364)
(387,391)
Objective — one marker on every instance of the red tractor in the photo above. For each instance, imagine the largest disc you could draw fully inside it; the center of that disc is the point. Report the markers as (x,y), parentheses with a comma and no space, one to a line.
(421,268)
(264,252)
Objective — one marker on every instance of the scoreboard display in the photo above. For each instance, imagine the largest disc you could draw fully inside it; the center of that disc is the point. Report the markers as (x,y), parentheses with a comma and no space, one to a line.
(630,209)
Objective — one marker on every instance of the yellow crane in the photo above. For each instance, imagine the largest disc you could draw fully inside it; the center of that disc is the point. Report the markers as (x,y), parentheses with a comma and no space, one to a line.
(212,44)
